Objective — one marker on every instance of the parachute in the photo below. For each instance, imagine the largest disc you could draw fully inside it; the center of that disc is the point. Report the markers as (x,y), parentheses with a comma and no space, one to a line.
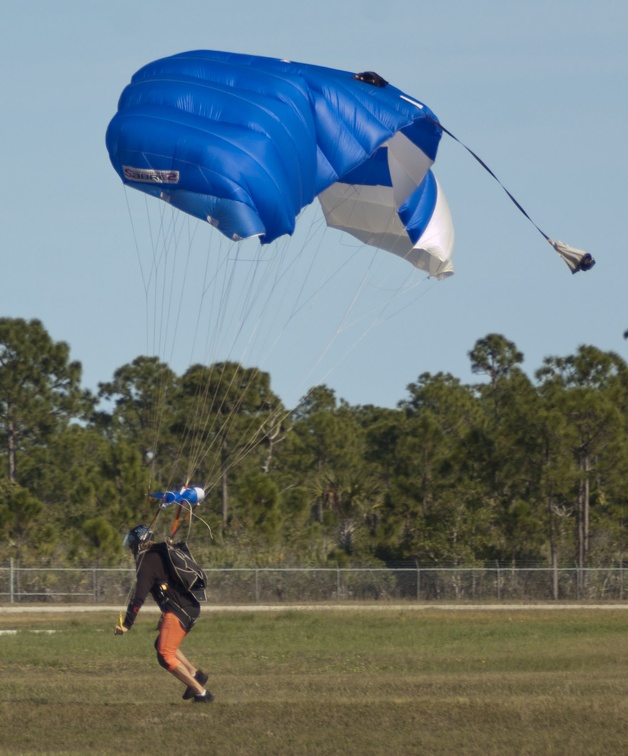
(246,142)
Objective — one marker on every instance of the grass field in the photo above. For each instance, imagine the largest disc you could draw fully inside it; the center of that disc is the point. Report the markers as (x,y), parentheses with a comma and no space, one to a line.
(322,682)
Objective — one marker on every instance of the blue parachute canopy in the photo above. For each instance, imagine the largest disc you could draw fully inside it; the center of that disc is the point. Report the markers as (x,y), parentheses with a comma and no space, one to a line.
(245,142)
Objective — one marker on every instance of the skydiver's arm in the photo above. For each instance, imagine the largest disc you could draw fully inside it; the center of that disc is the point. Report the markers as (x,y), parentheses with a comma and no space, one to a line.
(145,578)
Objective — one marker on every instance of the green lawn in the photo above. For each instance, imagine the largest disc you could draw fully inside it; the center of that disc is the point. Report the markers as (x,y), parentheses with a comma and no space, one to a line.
(323,682)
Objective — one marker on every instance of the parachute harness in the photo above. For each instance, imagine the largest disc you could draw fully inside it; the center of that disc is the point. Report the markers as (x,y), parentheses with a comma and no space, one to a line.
(187,498)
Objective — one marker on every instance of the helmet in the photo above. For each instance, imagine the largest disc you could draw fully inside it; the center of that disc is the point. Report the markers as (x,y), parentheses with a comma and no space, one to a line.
(138,536)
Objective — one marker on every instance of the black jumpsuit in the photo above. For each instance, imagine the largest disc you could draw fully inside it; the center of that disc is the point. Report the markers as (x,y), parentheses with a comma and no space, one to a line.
(153,577)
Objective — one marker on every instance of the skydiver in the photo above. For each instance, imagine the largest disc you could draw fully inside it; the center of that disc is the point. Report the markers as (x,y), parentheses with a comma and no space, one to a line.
(179,612)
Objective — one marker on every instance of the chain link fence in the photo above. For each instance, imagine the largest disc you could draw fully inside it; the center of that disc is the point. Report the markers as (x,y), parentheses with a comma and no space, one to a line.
(316,584)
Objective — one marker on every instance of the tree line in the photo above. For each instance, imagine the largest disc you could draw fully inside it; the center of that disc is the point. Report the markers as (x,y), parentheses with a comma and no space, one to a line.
(512,469)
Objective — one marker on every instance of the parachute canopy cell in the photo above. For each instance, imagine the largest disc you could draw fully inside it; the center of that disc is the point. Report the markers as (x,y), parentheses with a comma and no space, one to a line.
(246,142)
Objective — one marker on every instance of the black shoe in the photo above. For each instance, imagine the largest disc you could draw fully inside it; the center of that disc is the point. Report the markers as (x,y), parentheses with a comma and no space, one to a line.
(201,678)
(205,698)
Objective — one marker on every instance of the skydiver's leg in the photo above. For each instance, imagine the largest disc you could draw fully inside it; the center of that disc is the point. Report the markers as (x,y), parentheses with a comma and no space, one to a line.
(186,662)
(198,674)
(171,634)
(181,673)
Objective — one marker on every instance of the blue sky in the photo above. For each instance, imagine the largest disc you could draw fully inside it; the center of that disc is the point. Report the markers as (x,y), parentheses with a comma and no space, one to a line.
(538,89)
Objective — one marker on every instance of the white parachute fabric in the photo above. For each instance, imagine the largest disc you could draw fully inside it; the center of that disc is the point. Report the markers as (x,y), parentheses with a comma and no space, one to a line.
(432,253)
(576,259)
(370,212)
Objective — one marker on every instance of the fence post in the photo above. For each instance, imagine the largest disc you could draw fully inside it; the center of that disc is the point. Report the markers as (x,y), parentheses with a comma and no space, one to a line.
(11,581)
(497,581)
(337,581)
(256,585)
(418,580)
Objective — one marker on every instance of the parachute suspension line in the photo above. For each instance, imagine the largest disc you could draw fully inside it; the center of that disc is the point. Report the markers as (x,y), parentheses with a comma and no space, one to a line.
(259,290)
(218,429)
(194,434)
(184,280)
(159,245)
(147,276)
(209,409)
(216,418)
(135,240)
(376,314)
(166,255)
(284,276)
(258,432)
(165,278)
(272,275)
(205,403)
(166,323)
(220,289)
(373,319)
(188,430)
(177,240)
(359,251)
(212,421)
(315,237)
(576,259)
(348,309)
(259,435)
(192,438)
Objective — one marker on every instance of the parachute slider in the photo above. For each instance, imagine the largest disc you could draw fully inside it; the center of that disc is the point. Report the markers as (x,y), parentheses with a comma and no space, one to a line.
(193,496)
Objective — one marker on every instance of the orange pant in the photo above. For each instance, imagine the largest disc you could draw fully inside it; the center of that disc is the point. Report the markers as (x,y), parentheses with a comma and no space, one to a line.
(171,633)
